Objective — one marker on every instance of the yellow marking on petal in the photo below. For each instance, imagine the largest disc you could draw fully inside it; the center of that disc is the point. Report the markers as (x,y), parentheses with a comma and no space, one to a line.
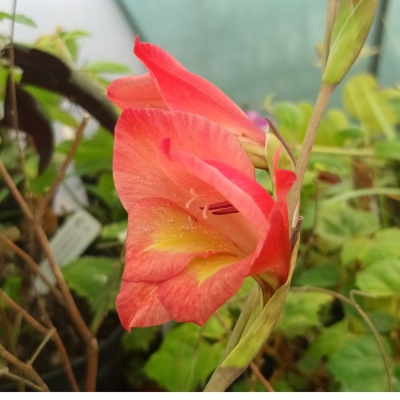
(204,268)
(179,232)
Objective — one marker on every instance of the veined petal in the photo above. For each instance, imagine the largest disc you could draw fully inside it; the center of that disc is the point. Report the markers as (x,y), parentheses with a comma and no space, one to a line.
(138,135)
(275,254)
(199,290)
(283,178)
(185,91)
(163,239)
(244,193)
(138,305)
(135,92)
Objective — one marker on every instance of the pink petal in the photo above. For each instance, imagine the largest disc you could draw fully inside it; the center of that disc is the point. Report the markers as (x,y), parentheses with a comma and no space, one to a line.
(135,92)
(138,134)
(194,295)
(138,305)
(244,193)
(162,239)
(185,91)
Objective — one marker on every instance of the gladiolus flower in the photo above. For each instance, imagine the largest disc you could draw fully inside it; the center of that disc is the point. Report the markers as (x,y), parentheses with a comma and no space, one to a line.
(198,222)
(168,85)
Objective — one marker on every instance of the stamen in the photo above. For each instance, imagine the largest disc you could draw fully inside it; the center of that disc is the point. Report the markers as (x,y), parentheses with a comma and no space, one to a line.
(195,196)
(228,210)
(205,210)
(221,208)
(222,204)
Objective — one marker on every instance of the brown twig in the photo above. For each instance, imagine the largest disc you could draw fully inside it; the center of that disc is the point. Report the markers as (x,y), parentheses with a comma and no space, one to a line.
(18,379)
(61,348)
(61,173)
(34,267)
(45,331)
(27,369)
(261,377)
(280,137)
(80,325)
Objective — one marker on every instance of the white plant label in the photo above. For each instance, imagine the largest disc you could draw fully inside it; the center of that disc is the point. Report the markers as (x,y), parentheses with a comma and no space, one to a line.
(70,241)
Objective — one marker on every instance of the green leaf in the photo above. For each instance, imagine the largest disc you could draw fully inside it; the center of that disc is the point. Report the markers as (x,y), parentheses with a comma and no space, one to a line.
(289,118)
(364,101)
(329,341)
(113,231)
(383,321)
(358,366)
(90,277)
(107,67)
(333,122)
(93,155)
(381,278)
(19,18)
(383,245)
(388,150)
(184,360)
(352,249)
(337,223)
(300,313)
(324,276)
(140,339)
(105,188)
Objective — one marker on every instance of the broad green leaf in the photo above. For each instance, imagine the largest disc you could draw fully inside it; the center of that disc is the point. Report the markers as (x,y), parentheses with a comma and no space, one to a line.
(19,18)
(93,155)
(105,188)
(13,287)
(90,277)
(332,123)
(388,150)
(358,366)
(383,321)
(113,231)
(184,360)
(324,276)
(352,249)
(300,313)
(289,118)
(62,116)
(381,278)
(329,341)
(337,223)
(383,245)
(40,184)
(364,101)
(107,67)
(139,339)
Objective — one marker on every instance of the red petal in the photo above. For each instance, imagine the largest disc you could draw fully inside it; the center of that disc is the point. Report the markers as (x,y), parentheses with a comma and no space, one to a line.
(163,239)
(135,92)
(138,134)
(194,295)
(138,305)
(185,91)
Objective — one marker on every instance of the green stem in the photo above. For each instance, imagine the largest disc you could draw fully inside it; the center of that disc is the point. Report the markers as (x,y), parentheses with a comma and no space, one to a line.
(324,95)
(343,151)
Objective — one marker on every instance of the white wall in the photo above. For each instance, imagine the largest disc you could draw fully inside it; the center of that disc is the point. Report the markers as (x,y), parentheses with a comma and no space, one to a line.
(111,38)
